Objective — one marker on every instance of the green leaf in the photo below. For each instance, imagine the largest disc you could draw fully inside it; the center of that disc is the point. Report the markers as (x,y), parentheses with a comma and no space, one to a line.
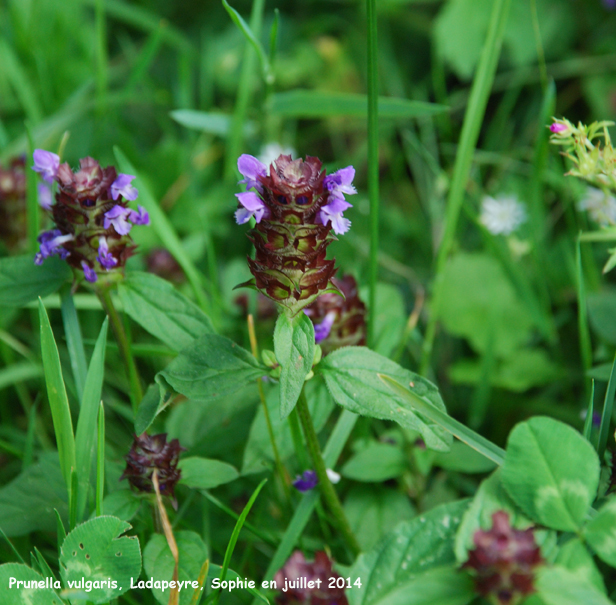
(558,586)
(414,547)
(324,104)
(463,459)
(551,472)
(151,406)
(27,503)
(457,429)
(575,557)
(218,124)
(377,462)
(21,281)
(122,503)
(11,595)
(352,376)
(58,400)
(294,347)
(158,307)
(85,436)
(602,313)
(96,550)
(374,511)
(201,473)
(600,532)
(210,367)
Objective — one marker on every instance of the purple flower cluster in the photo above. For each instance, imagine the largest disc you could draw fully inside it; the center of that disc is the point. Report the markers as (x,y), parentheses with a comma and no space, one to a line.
(92,219)
(306,481)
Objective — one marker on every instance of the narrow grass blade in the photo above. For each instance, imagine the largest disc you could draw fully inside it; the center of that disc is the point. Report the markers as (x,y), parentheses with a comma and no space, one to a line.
(74,340)
(100,461)
(606,417)
(457,429)
(585,344)
(591,410)
(43,565)
(165,230)
(72,508)
(235,535)
(29,446)
(58,400)
(15,551)
(60,531)
(85,437)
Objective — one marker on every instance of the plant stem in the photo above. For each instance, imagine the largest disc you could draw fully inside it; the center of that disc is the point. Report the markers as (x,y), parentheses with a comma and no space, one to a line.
(136,392)
(373,159)
(327,489)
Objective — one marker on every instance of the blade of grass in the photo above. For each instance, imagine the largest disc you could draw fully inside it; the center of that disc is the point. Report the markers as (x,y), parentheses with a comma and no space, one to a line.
(606,416)
(235,536)
(100,461)
(58,400)
(74,340)
(15,551)
(373,160)
(29,446)
(165,231)
(585,344)
(480,92)
(85,436)
(457,429)
(60,531)
(102,60)
(591,410)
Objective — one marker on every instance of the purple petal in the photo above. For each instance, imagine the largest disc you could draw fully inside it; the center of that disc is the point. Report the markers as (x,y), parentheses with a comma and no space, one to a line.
(251,168)
(340,182)
(50,244)
(242,216)
(556,128)
(117,217)
(88,272)
(122,187)
(44,196)
(336,206)
(322,330)
(305,482)
(139,218)
(46,164)
(253,206)
(105,258)
(332,212)
(340,225)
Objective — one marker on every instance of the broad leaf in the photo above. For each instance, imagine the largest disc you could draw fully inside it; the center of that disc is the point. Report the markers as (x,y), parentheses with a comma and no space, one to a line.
(575,557)
(414,547)
(551,472)
(201,473)
(210,367)
(376,463)
(294,347)
(97,551)
(352,373)
(600,532)
(11,595)
(558,586)
(158,307)
(21,281)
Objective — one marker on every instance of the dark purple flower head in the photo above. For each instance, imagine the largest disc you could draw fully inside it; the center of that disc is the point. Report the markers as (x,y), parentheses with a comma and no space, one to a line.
(306,481)
(150,453)
(46,164)
(504,561)
(298,574)
(122,187)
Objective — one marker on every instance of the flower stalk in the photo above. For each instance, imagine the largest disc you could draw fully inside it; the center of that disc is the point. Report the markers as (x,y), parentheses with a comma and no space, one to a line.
(327,489)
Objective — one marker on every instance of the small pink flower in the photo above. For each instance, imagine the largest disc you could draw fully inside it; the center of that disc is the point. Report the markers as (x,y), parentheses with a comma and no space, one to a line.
(557,128)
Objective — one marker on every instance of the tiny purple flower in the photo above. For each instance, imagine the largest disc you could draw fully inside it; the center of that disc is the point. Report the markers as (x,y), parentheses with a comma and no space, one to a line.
(88,272)
(122,187)
(333,212)
(306,481)
(322,330)
(139,218)
(339,183)
(557,128)
(51,244)
(609,4)
(44,196)
(118,217)
(105,258)
(252,206)
(46,164)
(251,168)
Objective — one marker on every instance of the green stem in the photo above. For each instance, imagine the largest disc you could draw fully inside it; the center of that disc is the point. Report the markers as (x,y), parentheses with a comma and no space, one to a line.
(373,159)
(136,392)
(327,489)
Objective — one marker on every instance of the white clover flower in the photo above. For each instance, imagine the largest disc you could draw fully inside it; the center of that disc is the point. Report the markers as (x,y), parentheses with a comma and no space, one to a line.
(271,151)
(601,206)
(502,215)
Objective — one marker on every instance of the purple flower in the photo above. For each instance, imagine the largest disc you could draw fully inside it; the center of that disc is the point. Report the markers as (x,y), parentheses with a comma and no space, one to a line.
(139,218)
(88,272)
(44,196)
(322,330)
(333,212)
(51,244)
(251,168)
(339,183)
(46,164)
(118,217)
(122,187)
(252,206)
(609,4)
(306,481)
(105,258)
(557,128)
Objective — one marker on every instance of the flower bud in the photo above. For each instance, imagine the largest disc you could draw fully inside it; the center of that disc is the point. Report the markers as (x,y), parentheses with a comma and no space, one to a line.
(153,453)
